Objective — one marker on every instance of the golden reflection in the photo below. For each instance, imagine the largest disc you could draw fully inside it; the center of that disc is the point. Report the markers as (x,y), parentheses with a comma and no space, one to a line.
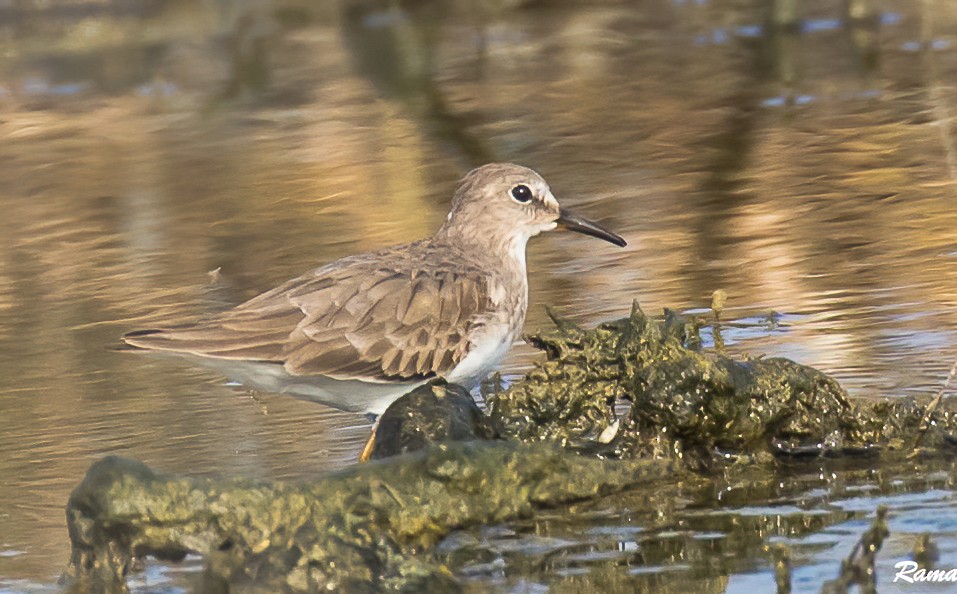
(808,173)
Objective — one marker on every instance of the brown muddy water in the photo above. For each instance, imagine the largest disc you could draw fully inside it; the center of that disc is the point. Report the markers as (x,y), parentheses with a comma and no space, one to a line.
(809,171)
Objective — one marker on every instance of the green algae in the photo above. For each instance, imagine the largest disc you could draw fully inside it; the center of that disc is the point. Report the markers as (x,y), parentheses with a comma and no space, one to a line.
(360,530)
(683,402)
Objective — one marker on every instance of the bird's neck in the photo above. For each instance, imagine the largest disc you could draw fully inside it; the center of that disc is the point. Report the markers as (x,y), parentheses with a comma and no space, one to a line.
(501,258)
(504,252)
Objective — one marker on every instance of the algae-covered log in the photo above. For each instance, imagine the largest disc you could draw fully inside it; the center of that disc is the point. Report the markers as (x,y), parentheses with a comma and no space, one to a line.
(362,529)
(682,400)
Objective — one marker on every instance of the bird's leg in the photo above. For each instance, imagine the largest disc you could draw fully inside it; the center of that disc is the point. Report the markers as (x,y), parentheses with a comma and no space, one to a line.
(366,454)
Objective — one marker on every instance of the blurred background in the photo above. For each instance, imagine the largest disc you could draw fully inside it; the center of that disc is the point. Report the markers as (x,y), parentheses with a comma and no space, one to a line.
(161,159)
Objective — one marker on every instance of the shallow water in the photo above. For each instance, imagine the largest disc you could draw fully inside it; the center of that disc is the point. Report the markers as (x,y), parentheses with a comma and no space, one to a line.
(146,143)
(715,540)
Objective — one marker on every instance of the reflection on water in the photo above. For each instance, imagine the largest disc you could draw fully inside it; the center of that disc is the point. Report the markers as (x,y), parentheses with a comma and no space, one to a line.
(712,540)
(806,168)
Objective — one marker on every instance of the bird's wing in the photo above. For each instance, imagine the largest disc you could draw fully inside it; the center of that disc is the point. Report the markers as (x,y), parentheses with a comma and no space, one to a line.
(390,325)
(354,322)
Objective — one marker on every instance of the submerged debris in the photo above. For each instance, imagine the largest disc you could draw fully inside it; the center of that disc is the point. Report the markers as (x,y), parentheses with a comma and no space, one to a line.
(858,568)
(782,568)
(925,553)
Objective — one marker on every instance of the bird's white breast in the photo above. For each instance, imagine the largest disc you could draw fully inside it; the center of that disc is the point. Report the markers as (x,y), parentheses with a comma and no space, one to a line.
(488,350)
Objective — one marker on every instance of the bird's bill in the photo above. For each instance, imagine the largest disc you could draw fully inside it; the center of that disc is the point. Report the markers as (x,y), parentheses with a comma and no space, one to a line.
(573,222)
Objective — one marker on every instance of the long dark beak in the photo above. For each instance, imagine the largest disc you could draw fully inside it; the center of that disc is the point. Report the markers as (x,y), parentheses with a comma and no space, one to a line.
(573,222)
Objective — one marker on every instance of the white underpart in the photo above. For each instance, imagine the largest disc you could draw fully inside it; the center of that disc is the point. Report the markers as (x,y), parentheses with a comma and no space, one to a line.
(345,394)
(487,352)
(494,340)
(516,251)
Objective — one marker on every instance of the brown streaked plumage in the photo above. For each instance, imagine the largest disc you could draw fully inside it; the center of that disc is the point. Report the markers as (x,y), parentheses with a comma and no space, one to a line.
(361,331)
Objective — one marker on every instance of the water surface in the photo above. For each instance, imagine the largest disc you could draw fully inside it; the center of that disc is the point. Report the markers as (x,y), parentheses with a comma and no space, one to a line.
(808,172)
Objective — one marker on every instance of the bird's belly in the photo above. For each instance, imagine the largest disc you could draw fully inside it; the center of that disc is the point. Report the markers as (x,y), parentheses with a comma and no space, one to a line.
(485,356)
(345,394)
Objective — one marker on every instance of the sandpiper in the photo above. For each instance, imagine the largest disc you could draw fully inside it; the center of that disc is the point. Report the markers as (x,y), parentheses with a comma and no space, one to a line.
(358,333)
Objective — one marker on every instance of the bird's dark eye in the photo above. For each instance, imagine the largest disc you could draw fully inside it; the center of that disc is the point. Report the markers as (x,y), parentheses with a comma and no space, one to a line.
(521,193)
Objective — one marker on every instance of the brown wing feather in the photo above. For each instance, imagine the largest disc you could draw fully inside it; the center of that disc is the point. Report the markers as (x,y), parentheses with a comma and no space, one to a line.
(393,328)
(255,336)
(352,321)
